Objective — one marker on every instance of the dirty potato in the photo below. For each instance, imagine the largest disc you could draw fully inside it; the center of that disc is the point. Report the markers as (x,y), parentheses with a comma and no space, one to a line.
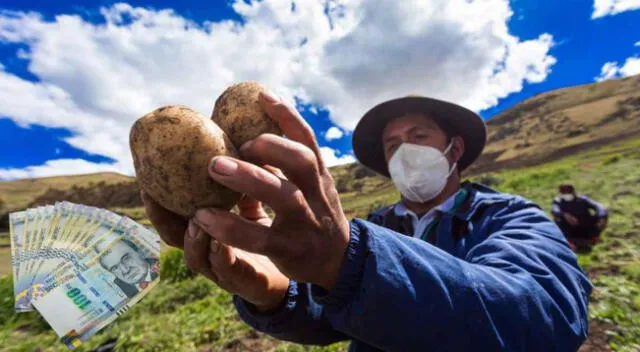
(171,148)
(238,113)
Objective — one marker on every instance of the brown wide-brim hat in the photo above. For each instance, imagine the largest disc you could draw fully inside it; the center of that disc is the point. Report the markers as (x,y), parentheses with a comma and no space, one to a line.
(453,119)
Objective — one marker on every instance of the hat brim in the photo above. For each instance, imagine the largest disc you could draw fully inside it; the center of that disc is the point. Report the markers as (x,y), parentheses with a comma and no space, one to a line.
(367,136)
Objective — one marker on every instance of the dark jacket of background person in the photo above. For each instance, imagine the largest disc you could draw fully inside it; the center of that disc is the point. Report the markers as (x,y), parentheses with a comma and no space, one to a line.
(500,276)
(583,208)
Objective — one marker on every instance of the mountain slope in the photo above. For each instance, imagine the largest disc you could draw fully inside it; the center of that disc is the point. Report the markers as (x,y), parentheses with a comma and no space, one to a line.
(20,193)
(562,122)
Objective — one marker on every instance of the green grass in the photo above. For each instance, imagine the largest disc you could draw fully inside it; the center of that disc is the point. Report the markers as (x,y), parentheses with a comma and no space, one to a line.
(185,314)
(5,260)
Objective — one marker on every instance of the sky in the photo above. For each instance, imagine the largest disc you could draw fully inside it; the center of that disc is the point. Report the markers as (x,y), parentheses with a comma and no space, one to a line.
(75,76)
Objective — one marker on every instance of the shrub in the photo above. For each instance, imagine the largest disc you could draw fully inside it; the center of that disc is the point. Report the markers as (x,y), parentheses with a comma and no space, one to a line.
(612,160)
(489,180)
(362,172)
(172,266)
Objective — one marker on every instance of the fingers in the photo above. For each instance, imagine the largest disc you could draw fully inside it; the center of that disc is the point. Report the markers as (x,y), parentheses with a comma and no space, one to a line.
(252,209)
(170,226)
(242,273)
(235,231)
(296,161)
(258,183)
(196,251)
(291,123)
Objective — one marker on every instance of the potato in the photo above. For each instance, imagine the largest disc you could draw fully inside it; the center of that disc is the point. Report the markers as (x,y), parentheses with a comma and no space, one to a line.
(171,148)
(239,114)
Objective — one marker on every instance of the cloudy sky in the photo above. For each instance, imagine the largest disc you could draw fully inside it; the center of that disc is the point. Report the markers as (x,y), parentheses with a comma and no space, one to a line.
(74,77)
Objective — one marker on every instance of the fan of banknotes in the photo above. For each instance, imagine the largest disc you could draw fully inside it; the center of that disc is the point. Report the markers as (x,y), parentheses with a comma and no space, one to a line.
(80,267)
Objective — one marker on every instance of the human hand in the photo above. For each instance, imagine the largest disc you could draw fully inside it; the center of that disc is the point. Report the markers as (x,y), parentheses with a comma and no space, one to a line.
(602,223)
(572,220)
(251,276)
(170,226)
(309,234)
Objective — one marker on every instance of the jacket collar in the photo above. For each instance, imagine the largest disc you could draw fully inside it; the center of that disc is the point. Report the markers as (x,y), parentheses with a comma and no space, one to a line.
(479,197)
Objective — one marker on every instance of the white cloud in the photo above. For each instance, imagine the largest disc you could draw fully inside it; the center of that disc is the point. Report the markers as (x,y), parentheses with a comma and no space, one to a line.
(333,133)
(58,167)
(331,158)
(609,70)
(341,56)
(637,44)
(603,8)
(612,70)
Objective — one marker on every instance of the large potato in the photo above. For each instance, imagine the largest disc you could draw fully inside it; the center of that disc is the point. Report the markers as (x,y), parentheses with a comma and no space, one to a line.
(238,113)
(171,148)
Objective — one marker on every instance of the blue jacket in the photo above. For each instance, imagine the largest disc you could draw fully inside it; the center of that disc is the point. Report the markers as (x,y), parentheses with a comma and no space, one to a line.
(510,283)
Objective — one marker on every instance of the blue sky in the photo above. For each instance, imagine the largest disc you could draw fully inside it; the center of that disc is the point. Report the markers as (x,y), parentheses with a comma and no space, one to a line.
(68,106)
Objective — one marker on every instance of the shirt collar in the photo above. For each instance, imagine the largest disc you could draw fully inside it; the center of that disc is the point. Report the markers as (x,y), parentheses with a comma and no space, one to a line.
(401,210)
(146,279)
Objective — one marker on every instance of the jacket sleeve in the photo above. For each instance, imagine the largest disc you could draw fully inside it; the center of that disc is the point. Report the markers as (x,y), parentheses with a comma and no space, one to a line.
(600,209)
(520,289)
(555,209)
(299,319)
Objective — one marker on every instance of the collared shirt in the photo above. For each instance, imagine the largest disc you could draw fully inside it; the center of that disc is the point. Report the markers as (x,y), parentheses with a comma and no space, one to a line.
(147,279)
(420,225)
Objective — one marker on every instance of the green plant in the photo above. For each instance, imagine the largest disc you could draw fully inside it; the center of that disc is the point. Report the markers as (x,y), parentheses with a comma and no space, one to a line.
(172,266)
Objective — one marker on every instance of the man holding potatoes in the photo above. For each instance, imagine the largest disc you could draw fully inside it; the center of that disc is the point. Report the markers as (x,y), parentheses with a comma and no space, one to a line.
(454,266)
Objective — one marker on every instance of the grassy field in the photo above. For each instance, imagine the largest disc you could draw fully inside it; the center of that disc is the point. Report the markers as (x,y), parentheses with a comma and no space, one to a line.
(186,314)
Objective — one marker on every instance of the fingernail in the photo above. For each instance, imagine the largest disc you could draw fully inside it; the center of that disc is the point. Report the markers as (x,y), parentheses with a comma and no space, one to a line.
(269,97)
(215,245)
(223,166)
(204,217)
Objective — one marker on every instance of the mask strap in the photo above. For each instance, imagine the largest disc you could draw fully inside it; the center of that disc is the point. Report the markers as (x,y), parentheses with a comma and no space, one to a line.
(455,164)
(452,168)
(448,148)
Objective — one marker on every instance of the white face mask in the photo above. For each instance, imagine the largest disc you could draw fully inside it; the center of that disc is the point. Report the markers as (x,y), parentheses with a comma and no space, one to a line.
(420,172)
(567,197)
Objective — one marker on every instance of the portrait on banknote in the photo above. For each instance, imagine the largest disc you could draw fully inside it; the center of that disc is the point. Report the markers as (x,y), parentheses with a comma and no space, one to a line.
(126,261)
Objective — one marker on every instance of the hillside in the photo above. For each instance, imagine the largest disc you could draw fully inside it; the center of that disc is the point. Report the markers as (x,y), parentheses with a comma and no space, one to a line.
(562,122)
(20,193)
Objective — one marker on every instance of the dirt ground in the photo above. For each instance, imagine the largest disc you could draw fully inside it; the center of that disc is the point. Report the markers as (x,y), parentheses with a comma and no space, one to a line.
(597,340)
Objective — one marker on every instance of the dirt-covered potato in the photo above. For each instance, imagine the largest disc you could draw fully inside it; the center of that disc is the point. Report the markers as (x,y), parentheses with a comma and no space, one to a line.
(171,148)
(238,113)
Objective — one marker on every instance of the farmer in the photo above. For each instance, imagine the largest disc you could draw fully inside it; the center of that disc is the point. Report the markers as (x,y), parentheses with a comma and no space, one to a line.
(452,267)
(580,218)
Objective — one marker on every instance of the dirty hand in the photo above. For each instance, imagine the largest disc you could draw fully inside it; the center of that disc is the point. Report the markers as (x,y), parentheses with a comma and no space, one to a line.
(309,234)
(250,276)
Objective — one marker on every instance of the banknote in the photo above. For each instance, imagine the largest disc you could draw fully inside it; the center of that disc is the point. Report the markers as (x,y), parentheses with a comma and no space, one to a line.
(17,223)
(53,244)
(96,290)
(67,243)
(79,266)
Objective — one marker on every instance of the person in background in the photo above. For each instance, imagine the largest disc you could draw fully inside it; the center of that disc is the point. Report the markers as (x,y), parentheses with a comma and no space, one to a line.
(580,218)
